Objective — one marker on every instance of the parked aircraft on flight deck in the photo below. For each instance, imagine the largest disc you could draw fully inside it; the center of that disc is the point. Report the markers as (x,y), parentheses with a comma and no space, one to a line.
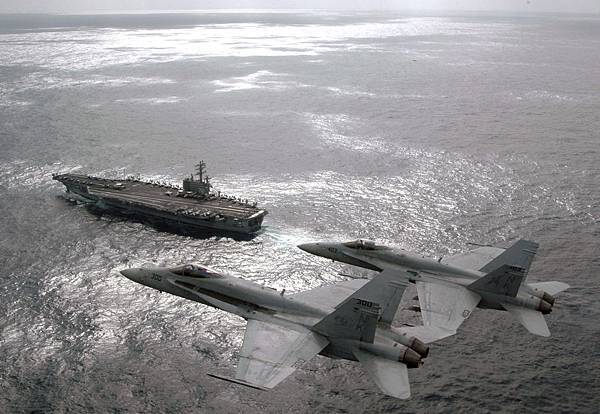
(348,320)
(451,287)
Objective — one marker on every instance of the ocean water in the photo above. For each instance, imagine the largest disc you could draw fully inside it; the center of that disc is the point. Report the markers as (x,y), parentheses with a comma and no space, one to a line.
(422,132)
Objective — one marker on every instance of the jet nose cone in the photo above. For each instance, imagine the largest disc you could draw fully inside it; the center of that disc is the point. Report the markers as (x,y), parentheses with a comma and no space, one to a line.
(132,274)
(312,248)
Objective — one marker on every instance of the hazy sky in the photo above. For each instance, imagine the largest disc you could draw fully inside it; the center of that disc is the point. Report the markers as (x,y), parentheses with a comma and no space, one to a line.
(78,6)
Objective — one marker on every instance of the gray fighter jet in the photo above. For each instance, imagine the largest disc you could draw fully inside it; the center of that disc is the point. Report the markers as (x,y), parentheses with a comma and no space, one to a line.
(349,320)
(451,287)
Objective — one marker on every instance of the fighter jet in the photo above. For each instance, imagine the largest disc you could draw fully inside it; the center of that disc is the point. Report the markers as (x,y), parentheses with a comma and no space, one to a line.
(450,288)
(348,320)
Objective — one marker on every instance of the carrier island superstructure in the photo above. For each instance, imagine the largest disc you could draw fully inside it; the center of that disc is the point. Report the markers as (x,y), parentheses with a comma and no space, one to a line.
(192,208)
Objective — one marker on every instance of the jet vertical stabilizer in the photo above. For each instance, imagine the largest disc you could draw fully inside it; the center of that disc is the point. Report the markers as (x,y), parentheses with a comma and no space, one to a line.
(504,281)
(353,319)
(520,254)
(385,289)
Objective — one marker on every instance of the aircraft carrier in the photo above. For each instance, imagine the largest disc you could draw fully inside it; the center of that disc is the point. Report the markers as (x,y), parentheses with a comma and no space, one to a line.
(190,209)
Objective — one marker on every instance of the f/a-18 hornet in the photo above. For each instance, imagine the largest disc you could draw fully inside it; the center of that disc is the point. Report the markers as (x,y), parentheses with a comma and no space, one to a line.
(349,320)
(451,287)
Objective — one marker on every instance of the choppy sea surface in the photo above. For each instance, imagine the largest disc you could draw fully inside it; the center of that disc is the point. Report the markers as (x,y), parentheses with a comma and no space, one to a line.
(422,132)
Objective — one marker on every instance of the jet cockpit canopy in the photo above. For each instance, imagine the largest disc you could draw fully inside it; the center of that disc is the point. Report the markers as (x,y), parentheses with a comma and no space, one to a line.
(191,270)
(362,244)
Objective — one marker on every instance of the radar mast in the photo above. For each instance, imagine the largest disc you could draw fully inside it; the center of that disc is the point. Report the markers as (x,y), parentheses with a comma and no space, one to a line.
(200,186)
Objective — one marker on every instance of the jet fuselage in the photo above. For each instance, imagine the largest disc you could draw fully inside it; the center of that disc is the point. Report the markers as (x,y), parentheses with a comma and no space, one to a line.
(253,301)
(415,267)
(385,257)
(216,289)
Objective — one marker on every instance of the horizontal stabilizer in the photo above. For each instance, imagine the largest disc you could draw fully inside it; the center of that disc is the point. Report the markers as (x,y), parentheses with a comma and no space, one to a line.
(552,288)
(504,281)
(427,334)
(532,320)
(390,376)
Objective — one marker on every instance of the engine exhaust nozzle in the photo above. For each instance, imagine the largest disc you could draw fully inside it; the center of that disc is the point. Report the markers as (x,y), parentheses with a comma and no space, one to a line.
(544,307)
(548,298)
(419,347)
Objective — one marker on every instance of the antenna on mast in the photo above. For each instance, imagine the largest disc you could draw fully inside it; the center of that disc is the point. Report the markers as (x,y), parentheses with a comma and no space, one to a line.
(201,169)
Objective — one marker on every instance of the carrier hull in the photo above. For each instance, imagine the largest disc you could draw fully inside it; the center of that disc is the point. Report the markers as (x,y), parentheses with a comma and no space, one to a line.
(163,206)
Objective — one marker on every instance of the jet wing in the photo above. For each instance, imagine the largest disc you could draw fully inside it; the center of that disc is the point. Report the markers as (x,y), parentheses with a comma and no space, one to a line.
(487,259)
(385,289)
(445,305)
(270,353)
(328,297)
(474,259)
